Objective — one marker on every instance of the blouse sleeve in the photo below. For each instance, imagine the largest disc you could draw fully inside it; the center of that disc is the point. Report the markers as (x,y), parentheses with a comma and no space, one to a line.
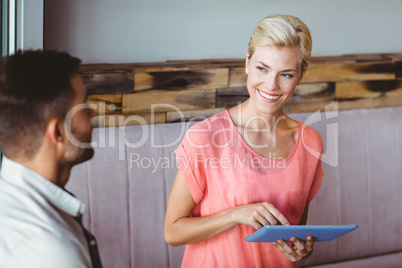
(189,160)
(319,174)
(314,145)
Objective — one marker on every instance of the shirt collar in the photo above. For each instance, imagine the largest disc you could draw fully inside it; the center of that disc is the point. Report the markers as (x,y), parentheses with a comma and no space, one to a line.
(23,177)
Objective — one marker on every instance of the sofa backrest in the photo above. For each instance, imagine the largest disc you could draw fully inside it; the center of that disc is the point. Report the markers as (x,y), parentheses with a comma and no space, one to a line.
(126,190)
(127,184)
(364,187)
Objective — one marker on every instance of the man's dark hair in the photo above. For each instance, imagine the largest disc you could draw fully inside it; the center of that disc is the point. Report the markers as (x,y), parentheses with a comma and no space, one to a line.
(34,88)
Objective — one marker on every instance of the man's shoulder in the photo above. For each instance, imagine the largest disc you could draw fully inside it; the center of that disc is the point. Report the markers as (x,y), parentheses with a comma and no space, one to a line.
(30,226)
(43,250)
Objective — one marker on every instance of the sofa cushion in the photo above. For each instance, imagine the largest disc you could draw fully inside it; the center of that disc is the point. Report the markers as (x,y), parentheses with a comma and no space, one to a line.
(126,187)
(393,260)
(364,187)
(127,184)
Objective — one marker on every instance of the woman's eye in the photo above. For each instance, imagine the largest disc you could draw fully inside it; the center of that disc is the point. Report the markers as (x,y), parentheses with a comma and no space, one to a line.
(287,75)
(261,69)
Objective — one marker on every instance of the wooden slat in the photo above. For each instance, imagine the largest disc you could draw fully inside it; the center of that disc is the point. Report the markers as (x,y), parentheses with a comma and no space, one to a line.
(186,116)
(196,89)
(169,100)
(398,69)
(229,97)
(204,61)
(314,92)
(307,107)
(345,104)
(106,104)
(393,56)
(338,72)
(348,58)
(239,91)
(331,72)
(397,58)
(352,58)
(216,65)
(370,103)
(109,83)
(237,77)
(122,67)
(229,101)
(368,89)
(179,80)
(128,120)
(338,58)
(164,68)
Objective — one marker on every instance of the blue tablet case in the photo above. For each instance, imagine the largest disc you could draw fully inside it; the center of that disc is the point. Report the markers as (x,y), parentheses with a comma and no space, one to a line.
(320,233)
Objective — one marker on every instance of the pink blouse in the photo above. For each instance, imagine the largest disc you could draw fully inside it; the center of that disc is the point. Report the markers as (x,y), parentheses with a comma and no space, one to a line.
(222,171)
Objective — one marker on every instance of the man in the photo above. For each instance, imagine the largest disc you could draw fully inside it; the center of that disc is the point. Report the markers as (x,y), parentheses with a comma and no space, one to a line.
(41,141)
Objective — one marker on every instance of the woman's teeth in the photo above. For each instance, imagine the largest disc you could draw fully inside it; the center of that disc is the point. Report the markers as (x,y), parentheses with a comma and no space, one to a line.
(270,97)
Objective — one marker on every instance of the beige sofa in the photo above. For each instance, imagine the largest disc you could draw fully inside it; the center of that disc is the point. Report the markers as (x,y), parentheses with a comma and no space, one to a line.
(127,184)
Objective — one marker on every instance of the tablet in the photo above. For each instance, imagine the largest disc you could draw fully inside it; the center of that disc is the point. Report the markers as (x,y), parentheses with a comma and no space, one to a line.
(320,233)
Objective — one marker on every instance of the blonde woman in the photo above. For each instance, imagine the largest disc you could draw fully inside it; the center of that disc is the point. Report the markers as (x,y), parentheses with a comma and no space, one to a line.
(249,166)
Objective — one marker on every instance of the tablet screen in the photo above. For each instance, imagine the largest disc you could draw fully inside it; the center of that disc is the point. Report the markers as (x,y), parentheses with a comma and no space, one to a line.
(320,233)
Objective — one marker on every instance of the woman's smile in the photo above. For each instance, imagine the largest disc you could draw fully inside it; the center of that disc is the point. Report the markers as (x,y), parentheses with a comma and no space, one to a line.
(268,97)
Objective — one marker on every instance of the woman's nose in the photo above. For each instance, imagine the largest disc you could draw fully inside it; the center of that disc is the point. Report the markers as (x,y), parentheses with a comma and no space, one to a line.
(271,83)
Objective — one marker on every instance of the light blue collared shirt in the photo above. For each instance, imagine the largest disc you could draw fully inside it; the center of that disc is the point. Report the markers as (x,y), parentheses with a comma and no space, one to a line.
(37,228)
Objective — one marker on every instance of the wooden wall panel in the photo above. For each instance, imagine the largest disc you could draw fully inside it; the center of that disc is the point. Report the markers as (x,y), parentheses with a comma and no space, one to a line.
(237,77)
(109,83)
(195,89)
(229,97)
(181,80)
(399,69)
(106,104)
(314,92)
(128,120)
(306,107)
(186,116)
(337,72)
(168,101)
(368,89)
(370,103)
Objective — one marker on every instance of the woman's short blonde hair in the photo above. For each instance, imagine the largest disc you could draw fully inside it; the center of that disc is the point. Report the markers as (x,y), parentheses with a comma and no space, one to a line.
(282,31)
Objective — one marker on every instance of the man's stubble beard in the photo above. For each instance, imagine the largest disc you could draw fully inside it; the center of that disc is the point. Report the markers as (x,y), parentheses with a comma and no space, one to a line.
(74,154)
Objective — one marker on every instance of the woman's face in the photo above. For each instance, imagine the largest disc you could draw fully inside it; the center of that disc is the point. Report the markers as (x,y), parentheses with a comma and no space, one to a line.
(273,74)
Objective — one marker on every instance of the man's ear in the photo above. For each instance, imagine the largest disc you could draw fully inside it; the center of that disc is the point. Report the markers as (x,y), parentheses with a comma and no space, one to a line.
(302,75)
(54,131)
(247,62)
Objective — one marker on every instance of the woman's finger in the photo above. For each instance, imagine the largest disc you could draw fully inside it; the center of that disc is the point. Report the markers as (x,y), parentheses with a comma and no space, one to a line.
(276,213)
(309,243)
(285,247)
(259,219)
(299,245)
(269,218)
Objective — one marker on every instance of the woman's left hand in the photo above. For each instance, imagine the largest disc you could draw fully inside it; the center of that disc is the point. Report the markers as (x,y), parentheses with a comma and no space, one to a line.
(300,250)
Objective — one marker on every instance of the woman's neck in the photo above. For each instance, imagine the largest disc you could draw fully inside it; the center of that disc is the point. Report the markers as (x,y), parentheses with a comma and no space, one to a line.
(248,117)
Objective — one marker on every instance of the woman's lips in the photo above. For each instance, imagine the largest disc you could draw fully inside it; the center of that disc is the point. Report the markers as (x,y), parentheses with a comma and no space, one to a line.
(268,97)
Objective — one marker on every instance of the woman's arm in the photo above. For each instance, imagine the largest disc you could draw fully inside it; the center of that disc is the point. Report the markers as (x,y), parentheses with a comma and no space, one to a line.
(181,228)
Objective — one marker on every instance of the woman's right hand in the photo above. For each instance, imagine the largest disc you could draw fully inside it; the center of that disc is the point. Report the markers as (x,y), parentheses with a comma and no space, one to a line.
(259,214)
(181,228)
